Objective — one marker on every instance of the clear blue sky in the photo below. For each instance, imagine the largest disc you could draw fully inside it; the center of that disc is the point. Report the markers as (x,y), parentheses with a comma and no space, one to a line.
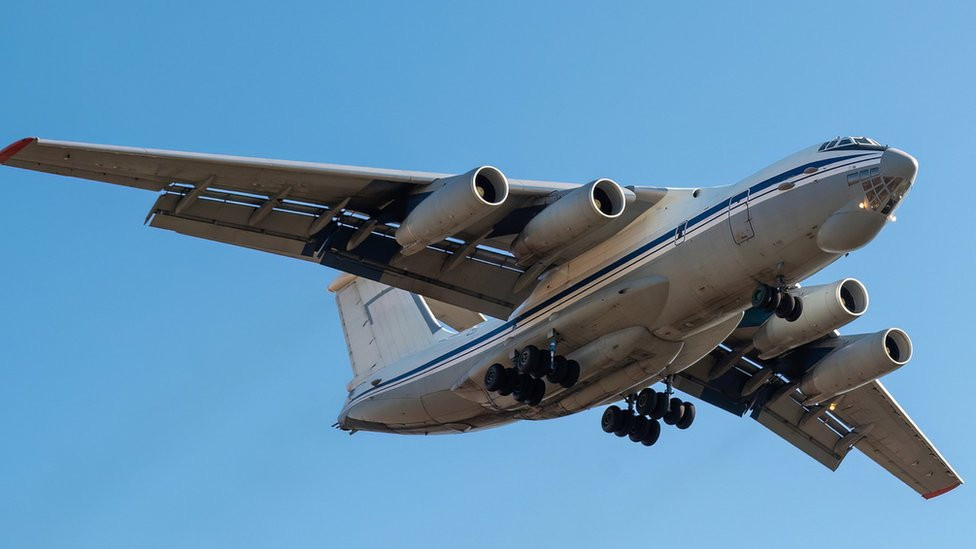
(161,391)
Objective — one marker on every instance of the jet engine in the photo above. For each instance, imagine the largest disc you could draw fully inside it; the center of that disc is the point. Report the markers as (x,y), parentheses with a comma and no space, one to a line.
(570,217)
(458,202)
(862,360)
(825,309)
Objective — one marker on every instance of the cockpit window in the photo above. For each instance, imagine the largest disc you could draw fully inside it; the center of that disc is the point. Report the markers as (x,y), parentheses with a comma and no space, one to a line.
(847,143)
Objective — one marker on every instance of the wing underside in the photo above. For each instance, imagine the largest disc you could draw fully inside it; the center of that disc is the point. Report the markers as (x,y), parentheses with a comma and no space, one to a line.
(867,418)
(339,216)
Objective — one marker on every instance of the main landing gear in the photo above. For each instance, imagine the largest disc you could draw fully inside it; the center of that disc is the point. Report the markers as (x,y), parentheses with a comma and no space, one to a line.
(640,421)
(531,368)
(778,301)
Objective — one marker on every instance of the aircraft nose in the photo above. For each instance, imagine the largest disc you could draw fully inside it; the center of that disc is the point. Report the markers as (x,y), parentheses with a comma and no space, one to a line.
(897,163)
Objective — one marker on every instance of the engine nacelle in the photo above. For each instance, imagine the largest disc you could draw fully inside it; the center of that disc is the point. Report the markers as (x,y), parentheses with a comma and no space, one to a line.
(857,363)
(825,308)
(573,215)
(459,202)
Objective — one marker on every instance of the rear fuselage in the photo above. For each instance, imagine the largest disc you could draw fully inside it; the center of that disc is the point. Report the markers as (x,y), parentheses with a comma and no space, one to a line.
(692,261)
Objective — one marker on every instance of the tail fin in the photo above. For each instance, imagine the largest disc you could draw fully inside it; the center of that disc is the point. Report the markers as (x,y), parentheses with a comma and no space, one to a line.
(381,323)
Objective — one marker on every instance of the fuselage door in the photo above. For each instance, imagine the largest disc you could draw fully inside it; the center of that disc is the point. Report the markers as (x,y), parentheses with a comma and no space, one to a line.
(740,218)
(679,233)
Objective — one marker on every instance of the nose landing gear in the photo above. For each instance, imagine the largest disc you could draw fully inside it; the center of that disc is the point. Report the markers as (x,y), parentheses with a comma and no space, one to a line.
(640,421)
(778,301)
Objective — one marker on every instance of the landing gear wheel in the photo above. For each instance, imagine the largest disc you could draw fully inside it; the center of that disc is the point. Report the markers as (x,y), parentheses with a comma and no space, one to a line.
(557,370)
(675,410)
(626,420)
(511,381)
(653,433)
(528,359)
(523,389)
(572,374)
(646,399)
(797,310)
(762,296)
(687,418)
(612,418)
(495,377)
(660,406)
(785,306)
(538,392)
(542,366)
(638,428)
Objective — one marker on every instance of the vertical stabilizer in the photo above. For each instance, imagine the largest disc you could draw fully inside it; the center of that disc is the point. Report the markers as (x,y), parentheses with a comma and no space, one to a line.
(381,323)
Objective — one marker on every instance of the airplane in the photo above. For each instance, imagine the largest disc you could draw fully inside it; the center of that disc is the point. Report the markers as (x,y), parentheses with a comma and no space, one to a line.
(473,300)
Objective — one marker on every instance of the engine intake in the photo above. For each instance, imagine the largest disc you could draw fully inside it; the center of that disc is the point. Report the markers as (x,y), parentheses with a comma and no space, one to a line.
(457,203)
(571,216)
(859,362)
(825,309)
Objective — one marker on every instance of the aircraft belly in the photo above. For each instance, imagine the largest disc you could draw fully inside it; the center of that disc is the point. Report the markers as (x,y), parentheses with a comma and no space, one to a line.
(686,300)
(390,410)
(446,406)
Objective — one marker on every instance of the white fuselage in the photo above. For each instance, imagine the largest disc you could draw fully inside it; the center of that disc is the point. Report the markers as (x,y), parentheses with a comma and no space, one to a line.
(692,261)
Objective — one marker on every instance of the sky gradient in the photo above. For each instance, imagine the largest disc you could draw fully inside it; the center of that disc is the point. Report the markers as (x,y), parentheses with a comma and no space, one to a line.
(162,391)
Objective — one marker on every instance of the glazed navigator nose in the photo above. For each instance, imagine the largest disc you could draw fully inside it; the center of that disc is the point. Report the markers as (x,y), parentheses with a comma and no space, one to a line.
(897,163)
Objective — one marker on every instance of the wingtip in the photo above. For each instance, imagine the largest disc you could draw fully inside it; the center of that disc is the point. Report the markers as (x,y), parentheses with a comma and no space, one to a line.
(7,153)
(938,493)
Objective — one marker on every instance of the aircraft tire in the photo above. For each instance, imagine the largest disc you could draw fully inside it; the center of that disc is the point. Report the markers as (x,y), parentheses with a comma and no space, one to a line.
(495,377)
(528,359)
(538,392)
(523,389)
(660,406)
(675,409)
(785,306)
(646,399)
(558,370)
(653,432)
(762,296)
(572,374)
(797,310)
(626,420)
(511,380)
(611,419)
(638,428)
(687,418)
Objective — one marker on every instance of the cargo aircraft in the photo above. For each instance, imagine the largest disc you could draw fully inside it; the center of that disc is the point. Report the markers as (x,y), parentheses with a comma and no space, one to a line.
(470,301)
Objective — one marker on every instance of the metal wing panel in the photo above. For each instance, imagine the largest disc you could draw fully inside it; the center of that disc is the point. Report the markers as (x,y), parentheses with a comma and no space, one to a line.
(895,442)
(313,211)
(482,281)
(154,169)
(867,418)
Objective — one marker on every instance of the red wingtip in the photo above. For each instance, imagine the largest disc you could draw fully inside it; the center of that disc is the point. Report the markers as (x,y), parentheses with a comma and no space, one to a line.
(937,493)
(15,148)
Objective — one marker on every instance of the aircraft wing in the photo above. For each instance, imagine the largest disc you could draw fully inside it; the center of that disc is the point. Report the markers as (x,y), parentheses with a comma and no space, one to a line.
(340,216)
(895,442)
(867,418)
